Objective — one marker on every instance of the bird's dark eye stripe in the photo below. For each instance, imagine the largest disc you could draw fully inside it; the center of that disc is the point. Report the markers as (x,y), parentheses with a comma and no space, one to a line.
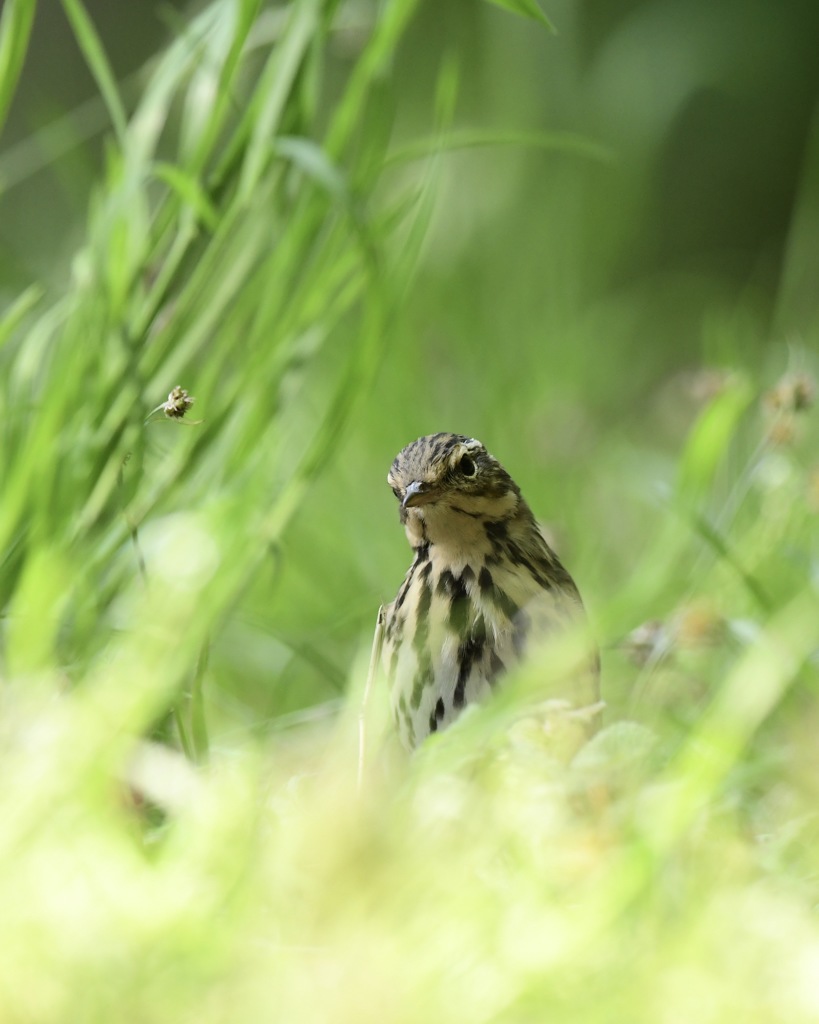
(396,492)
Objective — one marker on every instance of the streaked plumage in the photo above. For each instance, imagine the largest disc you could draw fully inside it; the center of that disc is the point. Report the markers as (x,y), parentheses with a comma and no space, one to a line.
(483,585)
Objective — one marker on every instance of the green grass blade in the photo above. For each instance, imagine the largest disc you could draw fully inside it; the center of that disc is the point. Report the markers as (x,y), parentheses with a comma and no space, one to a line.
(465,139)
(18,311)
(92,49)
(710,439)
(274,89)
(526,9)
(190,192)
(16,19)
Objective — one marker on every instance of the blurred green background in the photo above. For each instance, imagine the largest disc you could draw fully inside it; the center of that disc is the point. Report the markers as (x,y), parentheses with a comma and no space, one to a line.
(340,226)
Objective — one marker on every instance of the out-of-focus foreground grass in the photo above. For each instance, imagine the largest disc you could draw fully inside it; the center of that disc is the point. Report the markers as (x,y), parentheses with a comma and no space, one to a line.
(186,604)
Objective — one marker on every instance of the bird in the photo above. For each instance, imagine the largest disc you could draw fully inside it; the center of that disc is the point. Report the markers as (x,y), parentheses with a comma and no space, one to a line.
(484,587)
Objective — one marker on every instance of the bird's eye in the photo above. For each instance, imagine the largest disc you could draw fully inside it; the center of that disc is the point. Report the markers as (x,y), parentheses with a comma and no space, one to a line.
(396,492)
(467,467)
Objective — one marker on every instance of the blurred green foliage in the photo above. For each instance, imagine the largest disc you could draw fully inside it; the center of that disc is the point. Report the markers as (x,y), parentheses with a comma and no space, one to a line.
(340,225)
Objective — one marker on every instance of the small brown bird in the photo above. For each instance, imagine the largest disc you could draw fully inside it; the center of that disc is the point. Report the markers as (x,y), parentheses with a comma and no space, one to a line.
(483,587)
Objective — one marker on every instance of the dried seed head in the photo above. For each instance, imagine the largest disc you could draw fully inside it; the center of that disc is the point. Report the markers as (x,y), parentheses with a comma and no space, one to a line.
(698,624)
(782,430)
(179,401)
(647,641)
(795,392)
(782,404)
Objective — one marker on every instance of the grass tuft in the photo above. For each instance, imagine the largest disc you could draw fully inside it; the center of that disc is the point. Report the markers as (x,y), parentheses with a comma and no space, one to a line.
(187,590)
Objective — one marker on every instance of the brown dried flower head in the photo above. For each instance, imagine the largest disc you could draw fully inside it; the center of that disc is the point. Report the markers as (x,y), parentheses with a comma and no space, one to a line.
(795,392)
(179,401)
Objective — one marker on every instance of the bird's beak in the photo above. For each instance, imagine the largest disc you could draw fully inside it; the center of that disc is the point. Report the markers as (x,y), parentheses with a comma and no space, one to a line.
(419,493)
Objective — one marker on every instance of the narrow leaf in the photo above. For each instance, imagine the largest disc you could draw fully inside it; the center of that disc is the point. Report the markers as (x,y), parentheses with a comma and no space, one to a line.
(189,191)
(469,138)
(16,17)
(710,438)
(15,314)
(527,9)
(90,44)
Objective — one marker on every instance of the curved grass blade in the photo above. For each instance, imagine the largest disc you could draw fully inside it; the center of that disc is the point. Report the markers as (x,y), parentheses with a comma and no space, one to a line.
(16,19)
(526,9)
(92,49)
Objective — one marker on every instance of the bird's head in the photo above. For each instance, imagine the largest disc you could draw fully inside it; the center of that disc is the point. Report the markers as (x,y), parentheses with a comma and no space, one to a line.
(447,486)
